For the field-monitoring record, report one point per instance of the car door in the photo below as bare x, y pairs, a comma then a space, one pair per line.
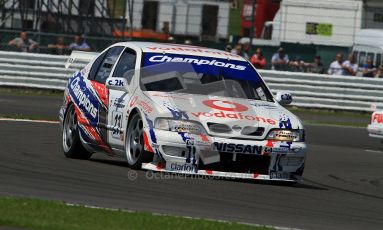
99, 72
118, 99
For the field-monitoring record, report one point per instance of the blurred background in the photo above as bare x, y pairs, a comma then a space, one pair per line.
305, 29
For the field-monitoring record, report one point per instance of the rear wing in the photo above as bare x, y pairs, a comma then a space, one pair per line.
80, 56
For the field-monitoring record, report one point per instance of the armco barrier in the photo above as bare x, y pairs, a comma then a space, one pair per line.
35, 70
327, 91
308, 90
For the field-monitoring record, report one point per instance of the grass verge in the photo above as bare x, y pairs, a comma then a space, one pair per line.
336, 123
331, 117
330, 113
38, 214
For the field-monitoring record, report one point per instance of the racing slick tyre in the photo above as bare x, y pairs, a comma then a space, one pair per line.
72, 145
134, 143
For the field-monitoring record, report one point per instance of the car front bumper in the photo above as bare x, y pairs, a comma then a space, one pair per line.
232, 158
375, 131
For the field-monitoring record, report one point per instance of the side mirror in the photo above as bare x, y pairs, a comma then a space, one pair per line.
284, 98
117, 83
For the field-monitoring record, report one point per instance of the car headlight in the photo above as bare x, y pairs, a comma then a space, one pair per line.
295, 135
185, 126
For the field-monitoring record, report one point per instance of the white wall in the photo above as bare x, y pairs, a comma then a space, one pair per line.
184, 16
345, 17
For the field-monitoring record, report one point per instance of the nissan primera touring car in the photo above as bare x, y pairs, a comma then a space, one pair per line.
183, 109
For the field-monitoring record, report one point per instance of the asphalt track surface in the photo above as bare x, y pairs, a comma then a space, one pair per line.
342, 188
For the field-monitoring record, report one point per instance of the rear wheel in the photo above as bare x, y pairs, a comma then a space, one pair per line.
134, 143
72, 145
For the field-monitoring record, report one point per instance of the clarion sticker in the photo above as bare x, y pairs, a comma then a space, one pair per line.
164, 58
237, 148
174, 166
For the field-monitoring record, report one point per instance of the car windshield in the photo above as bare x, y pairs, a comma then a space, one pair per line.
202, 75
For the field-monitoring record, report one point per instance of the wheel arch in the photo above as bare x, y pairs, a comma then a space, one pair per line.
133, 112
148, 141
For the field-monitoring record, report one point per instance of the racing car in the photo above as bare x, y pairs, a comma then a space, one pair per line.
375, 128
182, 109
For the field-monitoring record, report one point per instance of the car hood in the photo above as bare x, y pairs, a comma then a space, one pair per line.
236, 113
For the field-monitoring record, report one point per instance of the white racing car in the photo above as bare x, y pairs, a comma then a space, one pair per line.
375, 129
184, 109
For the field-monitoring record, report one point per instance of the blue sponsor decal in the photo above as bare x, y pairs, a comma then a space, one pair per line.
178, 114
115, 82
286, 97
151, 129
201, 64
84, 98
284, 122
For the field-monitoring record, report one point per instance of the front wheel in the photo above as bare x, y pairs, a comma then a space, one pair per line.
134, 143
72, 145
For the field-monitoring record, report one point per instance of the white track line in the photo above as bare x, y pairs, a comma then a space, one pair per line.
373, 151
29, 120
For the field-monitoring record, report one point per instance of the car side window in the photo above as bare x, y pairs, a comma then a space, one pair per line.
96, 65
126, 65
107, 63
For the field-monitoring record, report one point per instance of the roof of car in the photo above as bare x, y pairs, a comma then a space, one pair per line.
154, 47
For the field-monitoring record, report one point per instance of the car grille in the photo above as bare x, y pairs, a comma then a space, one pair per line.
246, 131
244, 163
253, 131
219, 128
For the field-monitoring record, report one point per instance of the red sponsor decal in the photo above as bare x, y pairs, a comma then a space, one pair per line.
160, 166
238, 116
225, 105
377, 118
67, 100
270, 144
204, 137
101, 91
133, 101
91, 131
147, 144
209, 172
255, 175
192, 49
145, 106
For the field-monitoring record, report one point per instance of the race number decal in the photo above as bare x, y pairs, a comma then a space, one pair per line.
116, 123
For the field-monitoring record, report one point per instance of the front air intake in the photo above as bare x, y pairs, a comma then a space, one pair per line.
253, 131
219, 128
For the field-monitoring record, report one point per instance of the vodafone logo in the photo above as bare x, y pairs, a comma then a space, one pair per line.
230, 110
225, 105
